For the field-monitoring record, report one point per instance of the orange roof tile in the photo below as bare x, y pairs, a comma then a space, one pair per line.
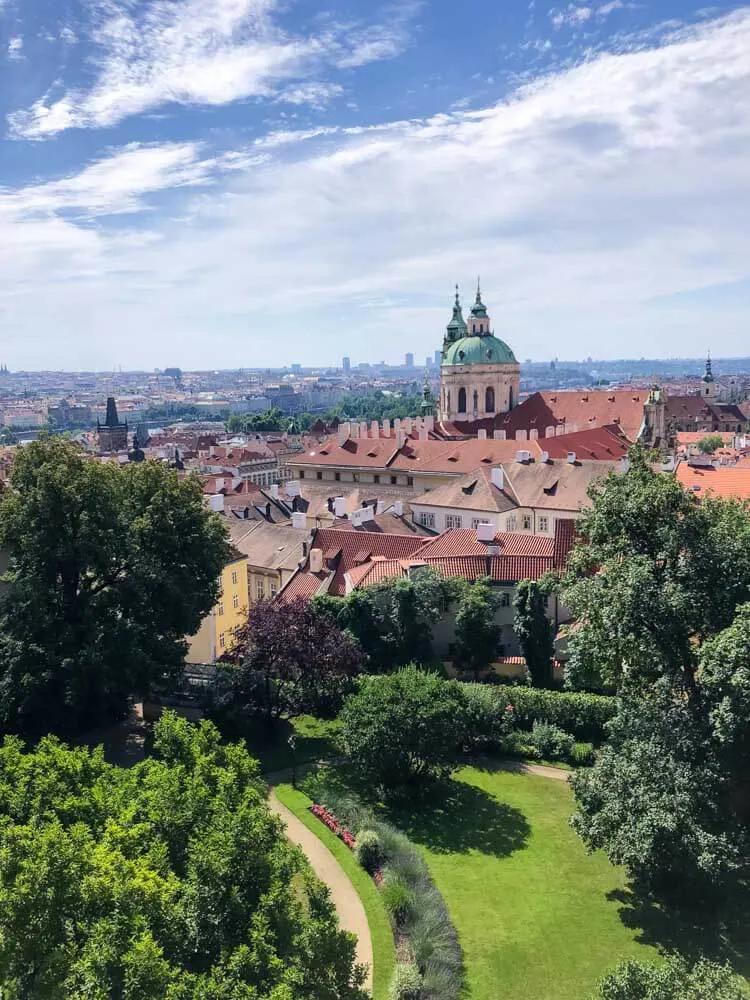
724, 481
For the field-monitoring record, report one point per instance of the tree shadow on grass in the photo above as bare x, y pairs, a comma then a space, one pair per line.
456, 818
718, 932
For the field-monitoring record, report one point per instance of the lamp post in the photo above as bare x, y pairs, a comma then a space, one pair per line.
293, 748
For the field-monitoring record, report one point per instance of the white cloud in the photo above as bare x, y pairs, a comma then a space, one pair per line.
193, 52
586, 202
577, 14
15, 47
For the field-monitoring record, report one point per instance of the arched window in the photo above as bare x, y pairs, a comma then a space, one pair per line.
448, 407
489, 400
462, 400
511, 402
476, 400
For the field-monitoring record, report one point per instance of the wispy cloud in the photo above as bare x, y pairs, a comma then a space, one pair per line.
15, 47
583, 199
193, 52
577, 13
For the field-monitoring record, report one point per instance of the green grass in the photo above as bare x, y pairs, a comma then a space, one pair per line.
535, 914
314, 742
377, 918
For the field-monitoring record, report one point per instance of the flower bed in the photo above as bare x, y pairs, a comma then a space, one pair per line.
333, 824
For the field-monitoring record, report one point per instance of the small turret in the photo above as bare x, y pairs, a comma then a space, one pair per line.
457, 328
427, 408
710, 388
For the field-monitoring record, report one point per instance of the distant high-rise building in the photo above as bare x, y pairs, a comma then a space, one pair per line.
428, 363
346, 364
438, 358
409, 360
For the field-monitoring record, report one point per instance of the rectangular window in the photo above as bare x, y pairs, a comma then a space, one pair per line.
510, 524
427, 520
302, 473
236, 601
505, 599
394, 480
355, 477
221, 607
274, 590
475, 522
319, 475
410, 480
222, 641
234, 576
452, 521
376, 478
337, 476
526, 522
543, 523
260, 590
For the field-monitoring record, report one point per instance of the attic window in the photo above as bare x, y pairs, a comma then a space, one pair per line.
453, 458
489, 353
323, 451
372, 454
468, 490
584, 399
461, 355
487, 459
610, 399
362, 557
551, 489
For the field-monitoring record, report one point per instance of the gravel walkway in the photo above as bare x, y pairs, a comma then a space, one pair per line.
344, 896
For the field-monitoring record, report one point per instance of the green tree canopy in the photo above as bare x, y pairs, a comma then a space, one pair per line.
707, 445
169, 881
535, 632
110, 569
477, 633
674, 980
403, 728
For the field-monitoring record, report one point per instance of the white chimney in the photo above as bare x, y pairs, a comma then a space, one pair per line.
560, 429
624, 463
386, 428
545, 457
316, 560
397, 423
339, 507
533, 434
422, 433
406, 425
368, 514
498, 435
498, 477
344, 431
571, 458
354, 433
356, 518
299, 520
486, 531
521, 435
429, 422
400, 438
549, 432
273, 489
523, 456
669, 465
398, 508
219, 483
216, 502
293, 488
374, 429
482, 434
363, 429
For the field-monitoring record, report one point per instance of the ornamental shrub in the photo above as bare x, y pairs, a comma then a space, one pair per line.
584, 715
582, 755
488, 719
397, 898
406, 983
369, 850
550, 742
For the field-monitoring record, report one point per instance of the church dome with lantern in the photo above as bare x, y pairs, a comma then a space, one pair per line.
479, 373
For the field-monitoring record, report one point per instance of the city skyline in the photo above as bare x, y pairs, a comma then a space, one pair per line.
219, 188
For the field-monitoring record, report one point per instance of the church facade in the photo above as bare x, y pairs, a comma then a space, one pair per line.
479, 374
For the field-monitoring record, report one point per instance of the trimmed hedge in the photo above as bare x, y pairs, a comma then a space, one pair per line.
583, 715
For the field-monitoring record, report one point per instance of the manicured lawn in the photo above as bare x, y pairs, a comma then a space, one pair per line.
377, 918
531, 907
314, 742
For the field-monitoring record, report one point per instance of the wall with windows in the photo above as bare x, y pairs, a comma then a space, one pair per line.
382, 477
521, 519
216, 634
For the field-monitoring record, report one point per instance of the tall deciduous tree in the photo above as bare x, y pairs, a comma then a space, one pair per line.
477, 632
288, 659
535, 632
109, 569
674, 980
170, 880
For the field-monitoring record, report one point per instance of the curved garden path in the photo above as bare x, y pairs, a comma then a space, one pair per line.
344, 896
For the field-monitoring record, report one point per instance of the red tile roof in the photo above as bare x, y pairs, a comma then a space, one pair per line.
725, 481
463, 542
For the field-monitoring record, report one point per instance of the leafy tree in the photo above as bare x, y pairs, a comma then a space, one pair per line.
403, 728
675, 980
288, 659
248, 423
708, 444
534, 631
656, 574
110, 569
169, 881
477, 633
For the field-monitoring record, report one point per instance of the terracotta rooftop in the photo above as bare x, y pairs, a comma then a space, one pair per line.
724, 481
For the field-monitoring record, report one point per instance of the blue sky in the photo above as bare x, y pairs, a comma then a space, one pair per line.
257, 182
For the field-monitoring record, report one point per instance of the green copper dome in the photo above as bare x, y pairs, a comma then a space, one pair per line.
486, 350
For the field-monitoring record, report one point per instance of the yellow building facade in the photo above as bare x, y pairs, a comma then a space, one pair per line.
216, 634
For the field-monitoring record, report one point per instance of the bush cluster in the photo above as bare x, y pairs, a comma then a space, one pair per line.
584, 716
369, 850
418, 912
550, 742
